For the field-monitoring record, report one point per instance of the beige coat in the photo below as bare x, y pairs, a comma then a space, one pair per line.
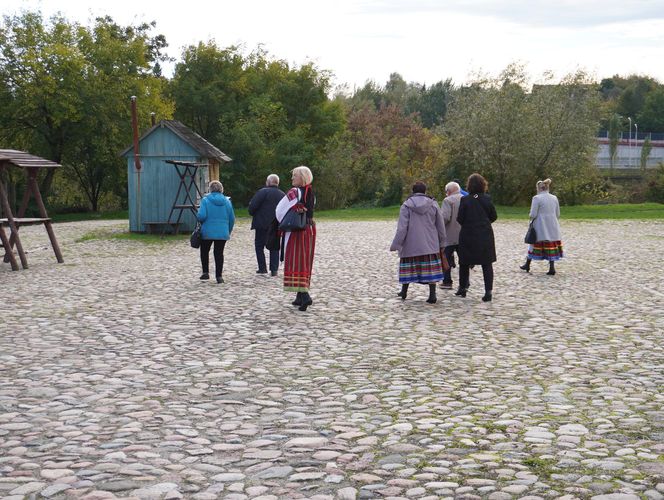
546, 212
450, 210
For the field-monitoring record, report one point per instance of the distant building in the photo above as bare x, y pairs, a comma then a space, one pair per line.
628, 152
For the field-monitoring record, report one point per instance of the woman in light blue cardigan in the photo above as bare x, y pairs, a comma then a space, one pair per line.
217, 217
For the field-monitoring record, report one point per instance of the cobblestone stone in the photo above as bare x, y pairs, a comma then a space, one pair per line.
122, 374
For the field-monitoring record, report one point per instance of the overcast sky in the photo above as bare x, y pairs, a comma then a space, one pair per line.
423, 40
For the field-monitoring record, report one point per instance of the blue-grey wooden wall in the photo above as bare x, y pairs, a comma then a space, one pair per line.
159, 180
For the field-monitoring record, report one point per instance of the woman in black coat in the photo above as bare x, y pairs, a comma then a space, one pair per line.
476, 243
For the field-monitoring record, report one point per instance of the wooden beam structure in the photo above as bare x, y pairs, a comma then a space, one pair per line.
31, 164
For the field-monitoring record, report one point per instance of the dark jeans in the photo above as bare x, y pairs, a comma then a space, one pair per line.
218, 256
449, 254
487, 271
260, 241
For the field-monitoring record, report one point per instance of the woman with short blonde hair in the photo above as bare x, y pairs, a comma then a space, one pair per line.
305, 172
544, 215
298, 245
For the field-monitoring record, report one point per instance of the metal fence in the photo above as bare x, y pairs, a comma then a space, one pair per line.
640, 136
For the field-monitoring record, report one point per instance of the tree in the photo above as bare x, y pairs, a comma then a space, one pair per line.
615, 126
428, 103
432, 102
514, 136
635, 89
119, 62
208, 87
40, 69
651, 117
65, 90
378, 157
646, 148
268, 116
627, 96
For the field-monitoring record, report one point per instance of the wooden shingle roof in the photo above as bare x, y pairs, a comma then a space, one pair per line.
200, 145
25, 160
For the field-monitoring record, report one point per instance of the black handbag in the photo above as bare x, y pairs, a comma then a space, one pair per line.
272, 240
293, 221
531, 234
196, 237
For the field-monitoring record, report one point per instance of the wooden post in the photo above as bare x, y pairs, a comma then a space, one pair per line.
9, 253
32, 179
12, 229
213, 170
21, 213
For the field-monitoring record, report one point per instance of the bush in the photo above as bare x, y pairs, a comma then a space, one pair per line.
655, 183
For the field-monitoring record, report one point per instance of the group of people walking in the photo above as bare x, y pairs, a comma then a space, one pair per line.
427, 238
294, 246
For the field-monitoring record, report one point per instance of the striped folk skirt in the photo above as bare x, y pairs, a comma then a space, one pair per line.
420, 269
299, 259
546, 250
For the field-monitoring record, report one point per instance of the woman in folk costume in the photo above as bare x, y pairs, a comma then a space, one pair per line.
298, 246
420, 241
544, 214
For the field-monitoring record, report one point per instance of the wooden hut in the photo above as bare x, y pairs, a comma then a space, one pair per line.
176, 166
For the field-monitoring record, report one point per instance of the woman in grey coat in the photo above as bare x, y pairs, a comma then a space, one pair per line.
450, 209
544, 214
420, 241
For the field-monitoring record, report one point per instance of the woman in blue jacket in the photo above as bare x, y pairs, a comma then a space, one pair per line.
217, 217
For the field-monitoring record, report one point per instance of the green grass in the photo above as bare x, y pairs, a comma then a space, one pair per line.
640, 211
579, 212
542, 467
75, 217
152, 239
624, 211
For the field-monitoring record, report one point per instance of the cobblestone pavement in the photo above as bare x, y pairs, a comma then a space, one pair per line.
123, 375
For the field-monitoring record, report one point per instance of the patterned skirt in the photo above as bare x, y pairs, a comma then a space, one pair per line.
420, 269
546, 250
299, 259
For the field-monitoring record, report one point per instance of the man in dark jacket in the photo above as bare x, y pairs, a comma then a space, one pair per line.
261, 208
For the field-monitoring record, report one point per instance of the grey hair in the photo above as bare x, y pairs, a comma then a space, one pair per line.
216, 187
272, 180
543, 185
452, 186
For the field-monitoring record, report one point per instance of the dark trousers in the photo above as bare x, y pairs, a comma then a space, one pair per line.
260, 241
449, 254
487, 271
218, 256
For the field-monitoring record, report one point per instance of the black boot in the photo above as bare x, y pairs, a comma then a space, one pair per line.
526, 266
306, 301
404, 292
298, 299
487, 296
552, 268
461, 292
432, 294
